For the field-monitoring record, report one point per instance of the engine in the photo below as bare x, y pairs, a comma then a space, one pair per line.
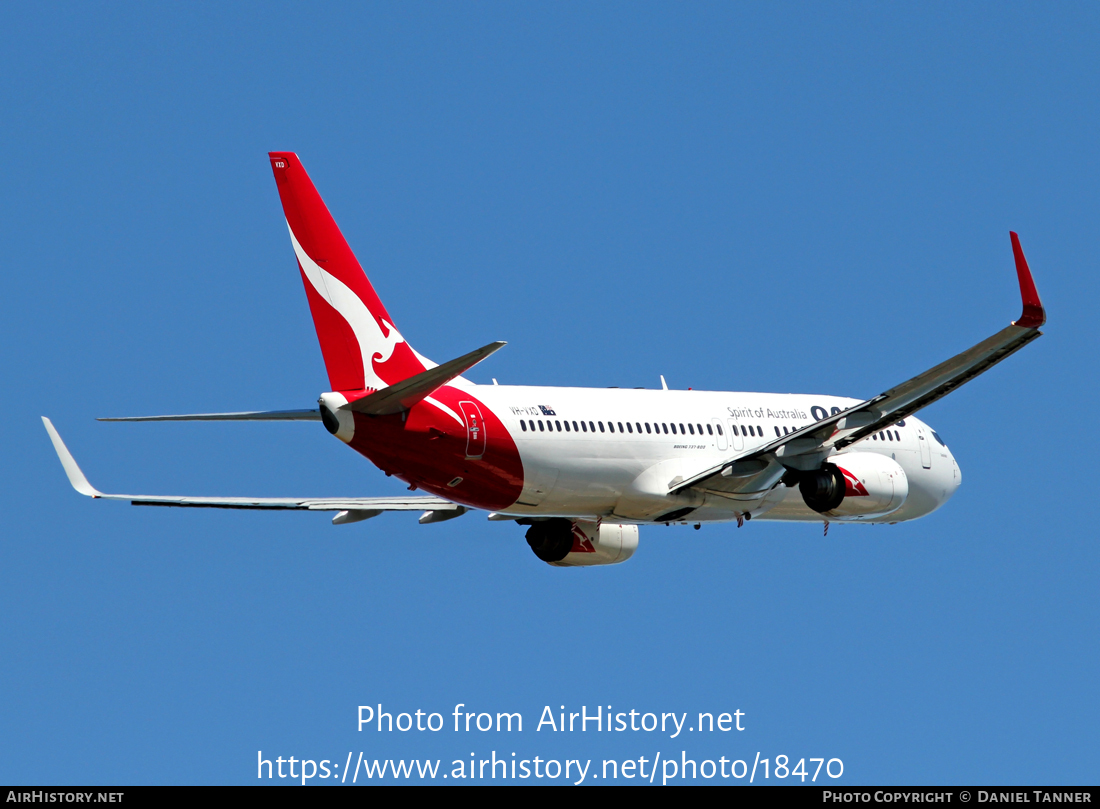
580, 543
855, 485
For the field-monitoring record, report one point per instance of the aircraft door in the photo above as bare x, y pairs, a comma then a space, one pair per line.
736, 438
475, 430
925, 450
719, 434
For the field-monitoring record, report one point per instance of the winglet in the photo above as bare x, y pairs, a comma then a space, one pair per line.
76, 477
1034, 315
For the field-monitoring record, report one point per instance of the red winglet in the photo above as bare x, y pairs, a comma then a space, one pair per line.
1034, 315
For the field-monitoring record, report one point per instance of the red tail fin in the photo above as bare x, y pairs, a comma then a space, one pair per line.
361, 347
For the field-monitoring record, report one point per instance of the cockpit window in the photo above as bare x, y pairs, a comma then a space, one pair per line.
937, 437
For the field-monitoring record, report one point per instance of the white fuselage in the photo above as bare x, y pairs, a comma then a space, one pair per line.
610, 452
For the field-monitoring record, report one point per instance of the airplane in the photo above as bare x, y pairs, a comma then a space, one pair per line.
581, 468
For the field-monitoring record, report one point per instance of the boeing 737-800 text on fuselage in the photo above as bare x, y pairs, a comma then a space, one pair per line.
583, 468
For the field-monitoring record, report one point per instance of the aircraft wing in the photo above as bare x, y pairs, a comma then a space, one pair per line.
856, 423
351, 509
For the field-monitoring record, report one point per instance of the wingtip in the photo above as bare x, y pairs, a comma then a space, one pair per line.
68, 463
1033, 315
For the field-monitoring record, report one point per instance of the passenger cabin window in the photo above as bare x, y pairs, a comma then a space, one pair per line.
709, 430
601, 425
523, 424
664, 427
629, 428
620, 427
682, 430
639, 426
718, 427
567, 426
647, 430
540, 425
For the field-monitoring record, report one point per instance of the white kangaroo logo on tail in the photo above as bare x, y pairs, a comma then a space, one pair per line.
373, 344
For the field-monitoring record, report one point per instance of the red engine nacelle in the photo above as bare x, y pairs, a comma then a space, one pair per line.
580, 543
855, 486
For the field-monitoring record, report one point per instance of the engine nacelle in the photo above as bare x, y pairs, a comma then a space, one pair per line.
855, 485
580, 543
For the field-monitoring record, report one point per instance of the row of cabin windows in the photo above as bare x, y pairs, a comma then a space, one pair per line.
630, 427
746, 429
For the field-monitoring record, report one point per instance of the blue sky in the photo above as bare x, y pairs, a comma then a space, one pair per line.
782, 198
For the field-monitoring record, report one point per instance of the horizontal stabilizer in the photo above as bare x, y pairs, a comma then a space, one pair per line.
354, 505
252, 415
408, 392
